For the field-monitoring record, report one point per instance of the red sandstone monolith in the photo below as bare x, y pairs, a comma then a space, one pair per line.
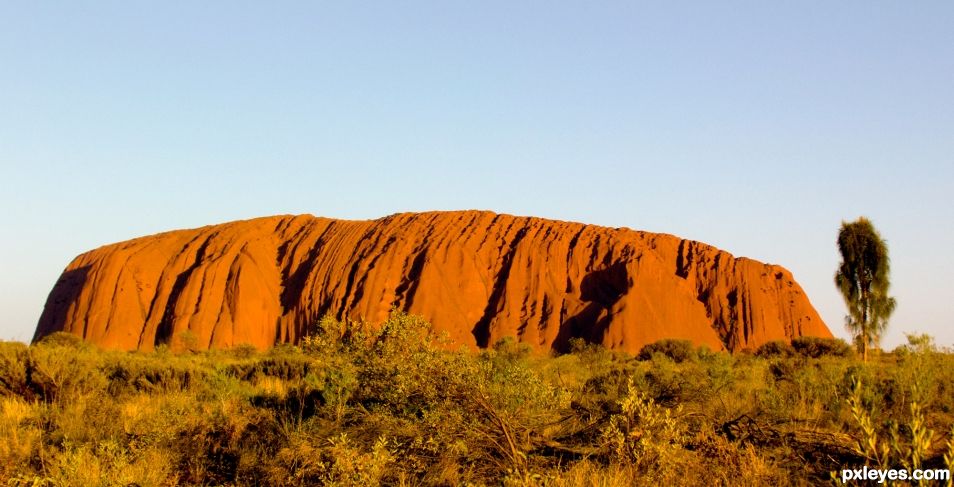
479, 276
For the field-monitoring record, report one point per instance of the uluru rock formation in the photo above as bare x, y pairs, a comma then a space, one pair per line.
479, 276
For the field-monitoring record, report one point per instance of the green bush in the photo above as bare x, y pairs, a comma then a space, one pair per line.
509, 348
13, 371
244, 351
62, 372
280, 365
644, 432
816, 347
139, 373
62, 339
776, 348
677, 350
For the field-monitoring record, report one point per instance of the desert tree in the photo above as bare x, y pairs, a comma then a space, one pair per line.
863, 280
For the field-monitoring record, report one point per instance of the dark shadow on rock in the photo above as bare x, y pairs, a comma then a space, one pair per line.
65, 292
481, 330
600, 289
166, 324
684, 258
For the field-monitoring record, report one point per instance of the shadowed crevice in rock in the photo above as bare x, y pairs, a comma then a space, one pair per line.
167, 325
606, 286
294, 283
600, 290
64, 296
404, 294
684, 259
481, 330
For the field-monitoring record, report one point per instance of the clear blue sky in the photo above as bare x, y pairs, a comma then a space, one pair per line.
754, 126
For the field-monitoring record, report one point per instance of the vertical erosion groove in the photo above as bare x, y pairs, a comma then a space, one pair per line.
166, 325
481, 329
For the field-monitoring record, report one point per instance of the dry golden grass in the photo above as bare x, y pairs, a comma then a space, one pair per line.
397, 409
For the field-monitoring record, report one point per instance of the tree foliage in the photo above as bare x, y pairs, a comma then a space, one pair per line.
863, 279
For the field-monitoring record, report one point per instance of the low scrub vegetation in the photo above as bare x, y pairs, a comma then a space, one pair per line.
354, 404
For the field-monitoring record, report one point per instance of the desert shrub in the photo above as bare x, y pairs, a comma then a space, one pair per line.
59, 373
510, 349
921, 375
284, 350
107, 463
899, 412
585, 368
579, 346
775, 348
499, 410
402, 368
244, 351
391, 405
62, 339
644, 433
612, 383
676, 350
403, 333
593, 355
13, 371
285, 366
88, 419
335, 387
918, 343
667, 382
816, 347
137, 373
185, 341
720, 461
941, 394
326, 336
150, 420
489, 409
335, 461
216, 437
20, 434
882, 448
798, 388
325, 390
706, 354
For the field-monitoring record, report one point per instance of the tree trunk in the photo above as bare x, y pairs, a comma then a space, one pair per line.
865, 328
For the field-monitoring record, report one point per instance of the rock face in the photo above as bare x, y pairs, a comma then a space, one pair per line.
478, 275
